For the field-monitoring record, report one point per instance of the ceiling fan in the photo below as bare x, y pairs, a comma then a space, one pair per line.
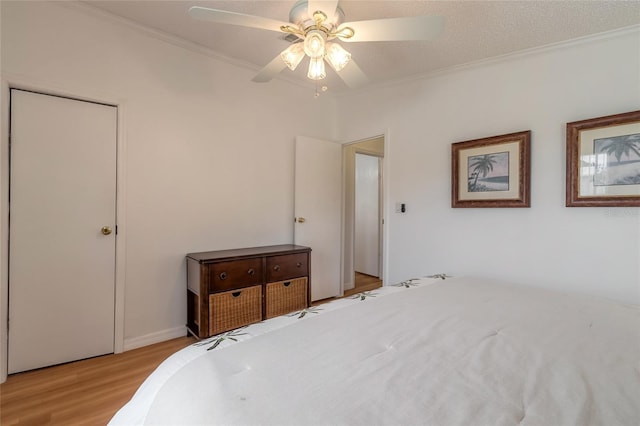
314, 25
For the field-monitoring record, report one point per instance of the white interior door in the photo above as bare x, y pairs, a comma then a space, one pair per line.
61, 265
367, 212
318, 210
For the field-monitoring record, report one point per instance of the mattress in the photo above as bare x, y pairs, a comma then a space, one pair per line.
455, 351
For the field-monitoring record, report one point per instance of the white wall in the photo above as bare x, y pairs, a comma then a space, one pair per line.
591, 250
208, 154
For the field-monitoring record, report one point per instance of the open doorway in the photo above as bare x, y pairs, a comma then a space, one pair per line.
366, 257
363, 220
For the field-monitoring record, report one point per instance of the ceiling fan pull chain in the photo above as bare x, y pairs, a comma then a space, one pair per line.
323, 89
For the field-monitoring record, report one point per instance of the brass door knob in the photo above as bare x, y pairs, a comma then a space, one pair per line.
106, 230
301, 219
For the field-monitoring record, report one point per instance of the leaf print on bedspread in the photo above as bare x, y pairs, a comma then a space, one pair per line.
441, 276
302, 313
364, 295
408, 283
229, 335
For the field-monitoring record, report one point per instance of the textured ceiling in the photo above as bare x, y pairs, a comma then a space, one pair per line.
474, 30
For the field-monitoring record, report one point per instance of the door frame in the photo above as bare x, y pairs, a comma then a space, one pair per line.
384, 209
7, 83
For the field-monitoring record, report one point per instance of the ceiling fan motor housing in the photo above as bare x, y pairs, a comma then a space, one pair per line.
301, 16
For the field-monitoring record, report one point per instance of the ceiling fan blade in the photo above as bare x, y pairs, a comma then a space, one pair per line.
396, 29
327, 6
353, 76
233, 18
272, 69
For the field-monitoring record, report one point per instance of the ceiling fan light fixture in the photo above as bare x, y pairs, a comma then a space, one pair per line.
337, 56
314, 43
292, 55
316, 69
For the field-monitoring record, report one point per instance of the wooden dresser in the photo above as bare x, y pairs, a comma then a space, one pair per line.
227, 289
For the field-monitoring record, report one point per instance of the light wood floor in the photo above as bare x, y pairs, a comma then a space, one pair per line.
363, 282
87, 392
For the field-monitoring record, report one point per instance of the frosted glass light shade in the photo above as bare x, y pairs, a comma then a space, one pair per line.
292, 55
316, 69
337, 56
314, 44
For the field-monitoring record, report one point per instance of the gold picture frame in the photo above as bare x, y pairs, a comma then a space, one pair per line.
603, 161
492, 172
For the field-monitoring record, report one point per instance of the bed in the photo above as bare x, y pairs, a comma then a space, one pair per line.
454, 351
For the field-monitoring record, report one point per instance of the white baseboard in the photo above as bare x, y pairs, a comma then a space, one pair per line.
157, 337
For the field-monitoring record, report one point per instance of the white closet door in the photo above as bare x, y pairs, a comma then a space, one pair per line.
318, 200
61, 266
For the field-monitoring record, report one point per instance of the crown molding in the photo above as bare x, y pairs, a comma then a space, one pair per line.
620, 32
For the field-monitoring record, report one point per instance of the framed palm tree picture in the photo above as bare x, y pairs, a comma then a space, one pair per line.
492, 172
603, 161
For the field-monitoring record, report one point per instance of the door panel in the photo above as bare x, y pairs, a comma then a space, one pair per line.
318, 199
61, 266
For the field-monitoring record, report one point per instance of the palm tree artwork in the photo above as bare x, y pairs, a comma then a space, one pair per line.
494, 170
625, 169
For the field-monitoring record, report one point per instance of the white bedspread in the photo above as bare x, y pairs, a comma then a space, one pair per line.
439, 352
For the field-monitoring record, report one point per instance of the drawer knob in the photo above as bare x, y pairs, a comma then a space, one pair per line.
299, 264
276, 268
223, 275
251, 271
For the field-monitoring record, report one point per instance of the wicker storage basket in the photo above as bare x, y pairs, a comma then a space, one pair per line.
286, 296
235, 308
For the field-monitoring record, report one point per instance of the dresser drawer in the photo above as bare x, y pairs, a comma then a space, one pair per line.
283, 297
287, 266
235, 274
233, 309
